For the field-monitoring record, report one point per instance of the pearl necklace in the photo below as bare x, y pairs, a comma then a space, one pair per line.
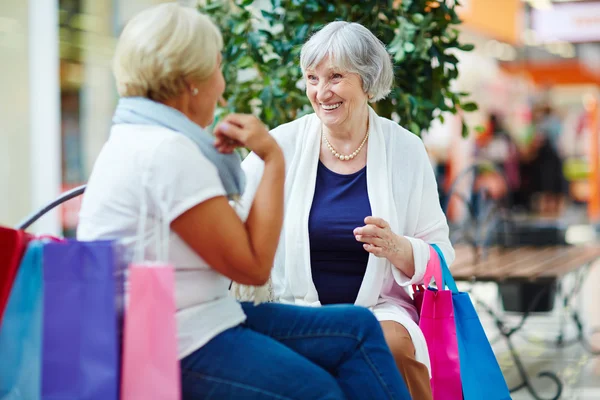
343, 157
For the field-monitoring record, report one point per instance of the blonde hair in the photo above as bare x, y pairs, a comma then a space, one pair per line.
161, 47
352, 47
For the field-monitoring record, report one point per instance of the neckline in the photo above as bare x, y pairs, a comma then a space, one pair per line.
351, 175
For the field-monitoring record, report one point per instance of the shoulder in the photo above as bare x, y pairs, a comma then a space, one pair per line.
401, 139
287, 134
147, 136
155, 143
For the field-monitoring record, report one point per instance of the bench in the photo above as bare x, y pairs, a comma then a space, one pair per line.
528, 264
545, 266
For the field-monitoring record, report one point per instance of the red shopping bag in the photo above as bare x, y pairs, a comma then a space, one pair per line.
12, 248
439, 328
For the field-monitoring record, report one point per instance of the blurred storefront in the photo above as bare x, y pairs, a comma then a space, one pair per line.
52, 134
529, 54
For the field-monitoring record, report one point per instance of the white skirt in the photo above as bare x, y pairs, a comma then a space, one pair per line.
392, 312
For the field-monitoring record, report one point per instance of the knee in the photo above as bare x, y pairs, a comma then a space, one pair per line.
398, 340
360, 320
360, 315
401, 348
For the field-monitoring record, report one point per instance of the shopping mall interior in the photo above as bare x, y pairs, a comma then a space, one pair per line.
534, 72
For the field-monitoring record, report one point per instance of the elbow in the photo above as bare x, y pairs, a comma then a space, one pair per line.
263, 273
258, 275
262, 279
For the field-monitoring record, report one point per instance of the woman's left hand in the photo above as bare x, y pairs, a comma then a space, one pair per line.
379, 240
378, 237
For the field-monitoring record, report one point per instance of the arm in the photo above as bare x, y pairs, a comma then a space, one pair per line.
410, 254
242, 252
431, 227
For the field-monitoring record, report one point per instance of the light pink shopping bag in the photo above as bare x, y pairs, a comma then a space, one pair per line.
150, 361
439, 328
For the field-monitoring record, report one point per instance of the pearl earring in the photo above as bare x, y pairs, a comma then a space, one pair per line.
194, 91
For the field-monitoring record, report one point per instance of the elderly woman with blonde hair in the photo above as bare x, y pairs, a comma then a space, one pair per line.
161, 165
361, 201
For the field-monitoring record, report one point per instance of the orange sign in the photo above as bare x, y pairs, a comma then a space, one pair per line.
499, 19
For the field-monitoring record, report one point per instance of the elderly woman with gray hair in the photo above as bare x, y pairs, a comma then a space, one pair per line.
361, 201
161, 165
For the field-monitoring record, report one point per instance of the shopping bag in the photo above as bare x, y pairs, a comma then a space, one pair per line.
439, 328
480, 372
432, 271
12, 247
80, 359
21, 331
150, 361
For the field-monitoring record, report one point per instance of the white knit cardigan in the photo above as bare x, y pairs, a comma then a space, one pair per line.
402, 190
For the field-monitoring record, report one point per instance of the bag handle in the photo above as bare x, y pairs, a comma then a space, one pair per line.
434, 270
161, 228
447, 278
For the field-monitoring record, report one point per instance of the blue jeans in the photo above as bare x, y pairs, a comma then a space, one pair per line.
288, 352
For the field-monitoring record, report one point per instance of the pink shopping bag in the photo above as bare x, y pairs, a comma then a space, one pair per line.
439, 328
150, 354
150, 362
433, 271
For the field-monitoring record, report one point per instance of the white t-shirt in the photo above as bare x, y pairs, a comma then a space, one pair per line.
177, 177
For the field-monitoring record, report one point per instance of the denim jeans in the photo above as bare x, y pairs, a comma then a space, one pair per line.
289, 352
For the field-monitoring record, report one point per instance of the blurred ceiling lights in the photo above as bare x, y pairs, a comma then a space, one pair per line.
540, 4
546, 4
556, 47
500, 51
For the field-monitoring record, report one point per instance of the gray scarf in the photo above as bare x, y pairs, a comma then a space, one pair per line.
142, 111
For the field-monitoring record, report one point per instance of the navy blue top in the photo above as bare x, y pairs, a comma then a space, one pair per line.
338, 261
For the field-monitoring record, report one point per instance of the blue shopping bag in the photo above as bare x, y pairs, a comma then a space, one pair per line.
80, 356
21, 331
480, 372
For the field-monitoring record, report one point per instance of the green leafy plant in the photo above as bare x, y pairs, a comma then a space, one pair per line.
262, 49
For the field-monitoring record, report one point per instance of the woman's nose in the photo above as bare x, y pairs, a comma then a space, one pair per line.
323, 92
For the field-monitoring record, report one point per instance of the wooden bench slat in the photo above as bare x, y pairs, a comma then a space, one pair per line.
504, 267
501, 262
577, 259
528, 263
558, 257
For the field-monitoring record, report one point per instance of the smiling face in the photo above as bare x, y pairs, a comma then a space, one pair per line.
336, 96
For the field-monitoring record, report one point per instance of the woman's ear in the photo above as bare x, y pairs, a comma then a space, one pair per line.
190, 87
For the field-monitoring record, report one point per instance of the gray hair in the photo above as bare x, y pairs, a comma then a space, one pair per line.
352, 47
162, 46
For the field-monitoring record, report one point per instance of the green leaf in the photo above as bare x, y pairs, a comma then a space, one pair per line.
480, 129
418, 18
301, 33
466, 47
469, 107
414, 128
272, 47
409, 47
465, 130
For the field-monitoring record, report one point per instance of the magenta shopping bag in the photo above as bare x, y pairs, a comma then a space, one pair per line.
439, 328
480, 372
80, 355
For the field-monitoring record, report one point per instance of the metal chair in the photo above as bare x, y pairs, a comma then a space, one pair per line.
27, 222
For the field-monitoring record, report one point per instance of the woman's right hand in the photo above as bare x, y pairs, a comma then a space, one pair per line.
245, 130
